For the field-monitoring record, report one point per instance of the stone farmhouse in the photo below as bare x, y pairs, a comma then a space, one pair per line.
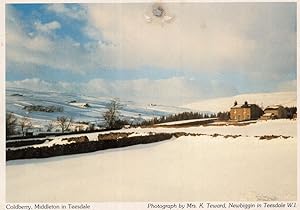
245, 112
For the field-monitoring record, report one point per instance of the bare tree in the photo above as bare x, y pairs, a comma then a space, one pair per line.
11, 123
25, 124
91, 127
50, 126
111, 116
64, 123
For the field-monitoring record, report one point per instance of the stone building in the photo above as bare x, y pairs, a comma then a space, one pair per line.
245, 112
274, 112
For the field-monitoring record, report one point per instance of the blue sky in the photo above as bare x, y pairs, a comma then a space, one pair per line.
206, 51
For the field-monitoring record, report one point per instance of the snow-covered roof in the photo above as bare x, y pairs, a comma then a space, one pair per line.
273, 107
243, 106
268, 114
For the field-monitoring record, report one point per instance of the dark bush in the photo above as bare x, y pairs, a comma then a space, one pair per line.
268, 137
41, 108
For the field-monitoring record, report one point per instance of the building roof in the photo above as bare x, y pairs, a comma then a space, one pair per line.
243, 106
273, 107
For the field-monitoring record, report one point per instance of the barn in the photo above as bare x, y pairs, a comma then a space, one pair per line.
274, 112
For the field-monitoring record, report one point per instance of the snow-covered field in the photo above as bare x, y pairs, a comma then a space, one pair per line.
186, 121
284, 127
188, 168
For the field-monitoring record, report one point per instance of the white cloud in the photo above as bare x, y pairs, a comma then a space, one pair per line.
40, 49
47, 27
248, 38
31, 84
172, 91
71, 11
251, 39
255, 40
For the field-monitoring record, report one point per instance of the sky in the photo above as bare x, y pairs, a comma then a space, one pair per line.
207, 50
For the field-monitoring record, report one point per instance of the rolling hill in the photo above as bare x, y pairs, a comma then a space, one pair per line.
42, 107
261, 99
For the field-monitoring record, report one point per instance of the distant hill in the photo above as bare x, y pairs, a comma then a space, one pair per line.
261, 99
41, 107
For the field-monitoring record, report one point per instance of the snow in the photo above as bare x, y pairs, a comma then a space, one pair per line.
284, 127
188, 168
268, 114
138, 134
186, 121
80, 105
261, 99
273, 107
93, 114
55, 141
167, 109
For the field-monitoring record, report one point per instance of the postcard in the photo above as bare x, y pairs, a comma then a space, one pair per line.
150, 105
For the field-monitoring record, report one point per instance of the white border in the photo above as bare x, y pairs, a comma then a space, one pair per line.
298, 103
143, 1
2, 104
112, 205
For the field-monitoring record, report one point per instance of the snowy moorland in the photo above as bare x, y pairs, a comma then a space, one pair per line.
81, 108
262, 99
210, 163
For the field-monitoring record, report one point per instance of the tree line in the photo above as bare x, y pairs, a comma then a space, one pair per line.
291, 111
178, 117
24, 124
